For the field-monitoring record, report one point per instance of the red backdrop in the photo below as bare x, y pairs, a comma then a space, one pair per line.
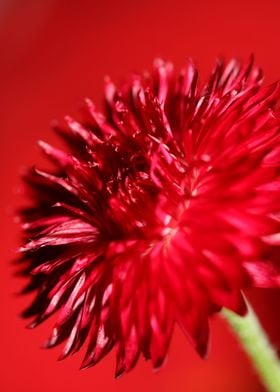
54, 53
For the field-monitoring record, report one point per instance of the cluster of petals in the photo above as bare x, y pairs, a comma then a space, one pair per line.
158, 212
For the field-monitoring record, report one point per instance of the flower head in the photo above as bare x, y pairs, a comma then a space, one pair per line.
160, 212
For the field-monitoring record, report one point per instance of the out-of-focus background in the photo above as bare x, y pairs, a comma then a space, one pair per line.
53, 54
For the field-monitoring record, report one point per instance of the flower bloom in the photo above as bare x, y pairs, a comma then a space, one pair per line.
160, 212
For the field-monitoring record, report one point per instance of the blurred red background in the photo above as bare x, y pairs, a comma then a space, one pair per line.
54, 53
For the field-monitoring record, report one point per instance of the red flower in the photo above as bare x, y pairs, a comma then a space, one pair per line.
162, 211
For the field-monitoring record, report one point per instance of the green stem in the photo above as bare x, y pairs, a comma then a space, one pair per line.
256, 343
